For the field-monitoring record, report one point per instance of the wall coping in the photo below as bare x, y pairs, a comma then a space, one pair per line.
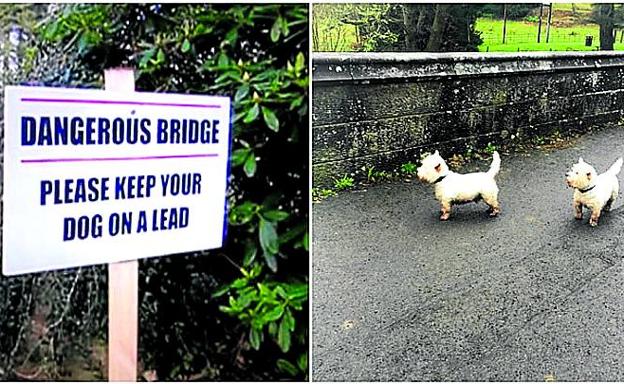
378, 66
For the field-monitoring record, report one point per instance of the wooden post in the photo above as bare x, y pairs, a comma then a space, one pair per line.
539, 24
123, 278
504, 21
548, 22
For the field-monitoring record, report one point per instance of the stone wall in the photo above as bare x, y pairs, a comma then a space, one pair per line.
384, 109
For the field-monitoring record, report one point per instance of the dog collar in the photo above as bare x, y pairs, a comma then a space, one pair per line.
587, 189
439, 179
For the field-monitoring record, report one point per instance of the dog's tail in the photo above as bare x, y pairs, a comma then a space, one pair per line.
495, 167
615, 168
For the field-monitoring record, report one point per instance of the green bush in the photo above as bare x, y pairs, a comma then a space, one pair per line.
408, 168
531, 19
514, 11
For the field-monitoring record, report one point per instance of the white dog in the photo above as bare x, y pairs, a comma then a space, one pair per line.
453, 188
596, 192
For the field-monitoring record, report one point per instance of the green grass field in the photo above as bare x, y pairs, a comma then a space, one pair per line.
522, 36
581, 7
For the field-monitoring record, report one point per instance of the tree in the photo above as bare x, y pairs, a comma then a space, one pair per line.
378, 25
605, 16
440, 20
327, 23
411, 21
423, 27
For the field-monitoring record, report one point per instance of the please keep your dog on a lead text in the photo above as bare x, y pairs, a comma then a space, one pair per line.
55, 131
70, 191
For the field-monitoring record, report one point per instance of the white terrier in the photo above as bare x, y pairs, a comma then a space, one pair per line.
595, 192
455, 188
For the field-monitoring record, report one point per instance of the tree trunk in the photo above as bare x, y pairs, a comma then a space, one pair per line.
437, 28
411, 15
424, 22
606, 26
315, 36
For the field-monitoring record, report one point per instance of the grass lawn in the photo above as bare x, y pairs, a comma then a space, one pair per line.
582, 8
522, 35
530, 47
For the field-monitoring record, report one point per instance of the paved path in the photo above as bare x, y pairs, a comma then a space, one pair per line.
532, 294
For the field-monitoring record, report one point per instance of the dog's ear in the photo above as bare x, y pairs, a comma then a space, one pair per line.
581, 160
438, 168
436, 153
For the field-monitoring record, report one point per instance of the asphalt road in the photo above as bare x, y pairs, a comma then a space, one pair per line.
532, 295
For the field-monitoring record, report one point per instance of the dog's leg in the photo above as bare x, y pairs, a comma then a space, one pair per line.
578, 210
492, 202
608, 205
445, 210
595, 215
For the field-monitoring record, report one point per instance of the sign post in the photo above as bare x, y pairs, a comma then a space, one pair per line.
123, 277
109, 177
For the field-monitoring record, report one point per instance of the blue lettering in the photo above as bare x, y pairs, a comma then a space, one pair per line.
119, 187
82, 228
77, 135
45, 132
169, 218
215, 131
60, 130
161, 130
174, 135
69, 228
184, 217
118, 131
103, 133
205, 132
90, 131
29, 131
120, 223
46, 189
142, 226
146, 134
193, 136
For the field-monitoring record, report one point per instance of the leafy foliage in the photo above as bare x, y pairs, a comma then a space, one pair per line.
408, 168
374, 26
514, 11
256, 54
343, 183
490, 148
319, 194
269, 305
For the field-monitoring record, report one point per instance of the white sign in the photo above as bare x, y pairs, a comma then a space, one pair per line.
94, 176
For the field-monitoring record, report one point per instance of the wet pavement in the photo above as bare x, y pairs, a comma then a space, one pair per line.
531, 295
